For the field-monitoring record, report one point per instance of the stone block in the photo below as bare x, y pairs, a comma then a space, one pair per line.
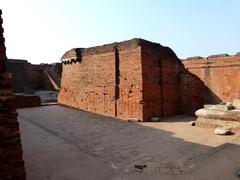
236, 103
133, 120
233, 115
222, 131
155, 119
218, 107
192, 123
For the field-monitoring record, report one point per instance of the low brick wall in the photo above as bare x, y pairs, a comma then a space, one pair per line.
23, 101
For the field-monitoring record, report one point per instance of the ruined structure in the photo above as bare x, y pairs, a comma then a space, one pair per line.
218, 116
220, 74
11, 163
131, 79
31, 83
29, 77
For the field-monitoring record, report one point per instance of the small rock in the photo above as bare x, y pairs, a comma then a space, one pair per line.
238, 173
223, 131
192, 123
133, 120
140, 166
229, 105
154, 119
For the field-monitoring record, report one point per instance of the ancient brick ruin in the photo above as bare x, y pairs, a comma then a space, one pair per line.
131, 79
220, 74
11, 163
29, 77
30, 81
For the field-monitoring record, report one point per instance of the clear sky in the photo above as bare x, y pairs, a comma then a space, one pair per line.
41, 31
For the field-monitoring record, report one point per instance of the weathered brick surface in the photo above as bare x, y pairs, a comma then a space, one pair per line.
131, 79
52, 75
23, 101
89, 85
28, 77
160, 84
191, 92
129, 104
220, 74
11, 163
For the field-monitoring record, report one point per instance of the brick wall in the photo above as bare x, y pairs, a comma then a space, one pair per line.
28, 77
20, 78
89, 85
131, 79
220, 74
23, 101
11, 163
105, 80
129, 103
34, 76
160, 85
191, 92
169, 89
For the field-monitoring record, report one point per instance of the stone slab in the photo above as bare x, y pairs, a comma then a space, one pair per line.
232, 115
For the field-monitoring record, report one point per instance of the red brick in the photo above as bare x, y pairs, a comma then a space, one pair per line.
11, 163
131, 79
220, 75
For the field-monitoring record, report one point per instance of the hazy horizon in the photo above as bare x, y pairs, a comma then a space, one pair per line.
42, 31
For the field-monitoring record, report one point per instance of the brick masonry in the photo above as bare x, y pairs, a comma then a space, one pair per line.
23, 100
11, 163
27, 77
131, 79
220, 74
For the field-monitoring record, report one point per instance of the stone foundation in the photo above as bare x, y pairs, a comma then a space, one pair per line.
210, 118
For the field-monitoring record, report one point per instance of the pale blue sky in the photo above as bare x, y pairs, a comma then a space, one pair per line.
42, 30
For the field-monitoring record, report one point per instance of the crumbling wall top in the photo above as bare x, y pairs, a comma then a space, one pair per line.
77, 53
237, 54
211, 57
193, 58
217, 56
